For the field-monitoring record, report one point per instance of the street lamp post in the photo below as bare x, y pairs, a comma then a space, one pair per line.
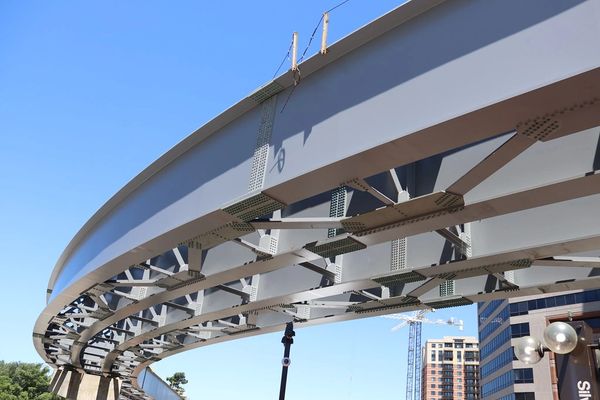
577, 370
573, 345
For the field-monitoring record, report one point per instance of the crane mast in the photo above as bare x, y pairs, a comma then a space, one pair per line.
413, 374
418, 360
415, 359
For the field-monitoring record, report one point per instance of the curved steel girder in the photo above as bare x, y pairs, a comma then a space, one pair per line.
562, 191
547, 288
91, 317
577, 187
474, 267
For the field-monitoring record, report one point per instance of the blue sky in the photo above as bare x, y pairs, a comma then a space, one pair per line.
90, 94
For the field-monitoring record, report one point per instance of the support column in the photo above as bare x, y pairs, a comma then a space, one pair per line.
73, 385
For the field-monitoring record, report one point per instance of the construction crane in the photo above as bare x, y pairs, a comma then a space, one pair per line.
414, 322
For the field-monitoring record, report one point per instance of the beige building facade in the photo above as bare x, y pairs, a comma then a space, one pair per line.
451, 369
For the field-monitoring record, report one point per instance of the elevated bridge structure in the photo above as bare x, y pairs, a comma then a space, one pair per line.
444, 154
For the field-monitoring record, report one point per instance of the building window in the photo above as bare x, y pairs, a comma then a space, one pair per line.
498, 362
523, 375
525, 396
523, 307
433, 356
498, 340
471, 356
519, 330
497, 384
492, 306
459, 356
492, 324
448, 345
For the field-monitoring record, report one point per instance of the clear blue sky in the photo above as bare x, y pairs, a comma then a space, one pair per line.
91, 92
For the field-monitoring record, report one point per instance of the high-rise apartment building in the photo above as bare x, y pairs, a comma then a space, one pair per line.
502, 322
451, 369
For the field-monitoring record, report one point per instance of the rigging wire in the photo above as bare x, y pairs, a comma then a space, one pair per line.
289, 95
317, 27
287, 57
297, 74
311, 39
339, 5
312, 36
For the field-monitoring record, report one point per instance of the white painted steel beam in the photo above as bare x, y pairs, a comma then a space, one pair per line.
471, 128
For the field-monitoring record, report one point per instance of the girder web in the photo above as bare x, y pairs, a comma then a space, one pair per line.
485, 218
84, 333
178, 321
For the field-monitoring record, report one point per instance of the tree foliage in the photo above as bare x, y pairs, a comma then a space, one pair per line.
176, 381
24, 381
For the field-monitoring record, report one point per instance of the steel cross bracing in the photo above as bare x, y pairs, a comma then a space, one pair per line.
161, 299
491, 192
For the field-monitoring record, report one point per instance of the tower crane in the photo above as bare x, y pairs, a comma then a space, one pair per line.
414, 322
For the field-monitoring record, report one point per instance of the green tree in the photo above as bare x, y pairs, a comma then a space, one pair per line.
24, 381
8, 390
176, 381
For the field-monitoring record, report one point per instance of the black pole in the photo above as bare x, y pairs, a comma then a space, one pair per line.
287, 341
